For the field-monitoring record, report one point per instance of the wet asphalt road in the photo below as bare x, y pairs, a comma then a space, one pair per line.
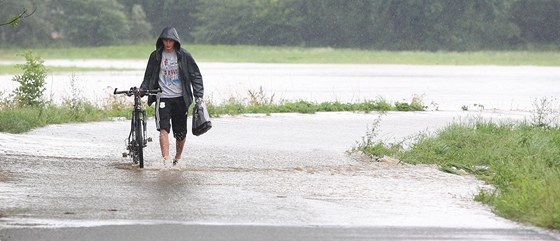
271, 233
257, 177
279, 177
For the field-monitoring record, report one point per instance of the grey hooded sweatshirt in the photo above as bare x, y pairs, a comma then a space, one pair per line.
189, 74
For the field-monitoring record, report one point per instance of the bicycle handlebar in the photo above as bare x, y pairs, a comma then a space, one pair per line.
134, 90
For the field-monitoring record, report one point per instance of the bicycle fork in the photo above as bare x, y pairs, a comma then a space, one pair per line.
130, 140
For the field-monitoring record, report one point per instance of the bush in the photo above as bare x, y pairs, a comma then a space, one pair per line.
32, 81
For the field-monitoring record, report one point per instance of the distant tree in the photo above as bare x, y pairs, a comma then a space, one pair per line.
175, 13
139, 27
339, 23
276, 23
267, 22
445, 24
485, 24
92, 22
320, 25
538, 20
383, 24
220, 25
380, 24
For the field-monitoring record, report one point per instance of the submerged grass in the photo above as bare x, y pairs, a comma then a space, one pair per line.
522, 162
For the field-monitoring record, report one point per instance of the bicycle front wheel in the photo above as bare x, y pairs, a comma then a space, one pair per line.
139, 139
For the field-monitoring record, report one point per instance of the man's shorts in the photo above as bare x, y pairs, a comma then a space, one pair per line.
172, 113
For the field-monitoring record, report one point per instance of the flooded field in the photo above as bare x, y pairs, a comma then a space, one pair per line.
283, 169
439, 87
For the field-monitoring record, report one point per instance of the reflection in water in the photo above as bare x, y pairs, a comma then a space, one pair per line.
170, 186
160, 185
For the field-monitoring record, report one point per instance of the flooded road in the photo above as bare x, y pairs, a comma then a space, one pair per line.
279, 170
254, 173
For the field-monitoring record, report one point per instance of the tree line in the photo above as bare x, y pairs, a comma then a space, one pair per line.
371, 24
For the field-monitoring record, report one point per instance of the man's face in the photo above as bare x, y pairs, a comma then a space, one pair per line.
168, 44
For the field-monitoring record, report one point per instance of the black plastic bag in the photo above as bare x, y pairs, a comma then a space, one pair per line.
201, 119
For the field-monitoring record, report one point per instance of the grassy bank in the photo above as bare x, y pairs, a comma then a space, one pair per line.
13, 70
18, 120
236, 107
522, 162
260, 54
22, 119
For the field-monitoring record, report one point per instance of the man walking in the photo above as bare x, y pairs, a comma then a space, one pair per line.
173, 70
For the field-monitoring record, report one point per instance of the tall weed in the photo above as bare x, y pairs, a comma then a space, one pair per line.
545, 112
372, 146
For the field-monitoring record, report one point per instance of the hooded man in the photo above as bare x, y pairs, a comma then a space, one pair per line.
173, 70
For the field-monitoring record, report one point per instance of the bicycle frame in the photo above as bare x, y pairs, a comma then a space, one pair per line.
137, 136
137, 140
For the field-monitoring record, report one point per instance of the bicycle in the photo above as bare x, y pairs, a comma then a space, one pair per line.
137, 140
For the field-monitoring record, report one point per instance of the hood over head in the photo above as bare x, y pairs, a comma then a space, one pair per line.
169, 33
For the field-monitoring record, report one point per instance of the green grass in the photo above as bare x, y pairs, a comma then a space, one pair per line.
12, 69
260, 54
521, 161
108, 52
297, 55
19, 120
236, 107
22, 119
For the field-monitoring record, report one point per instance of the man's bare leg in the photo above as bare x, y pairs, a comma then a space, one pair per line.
164, 144
179, 148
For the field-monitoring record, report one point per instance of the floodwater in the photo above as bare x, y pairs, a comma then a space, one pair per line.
282, 169
439, 87
279, 169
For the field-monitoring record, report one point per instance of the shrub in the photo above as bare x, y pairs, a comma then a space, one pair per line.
32, 81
